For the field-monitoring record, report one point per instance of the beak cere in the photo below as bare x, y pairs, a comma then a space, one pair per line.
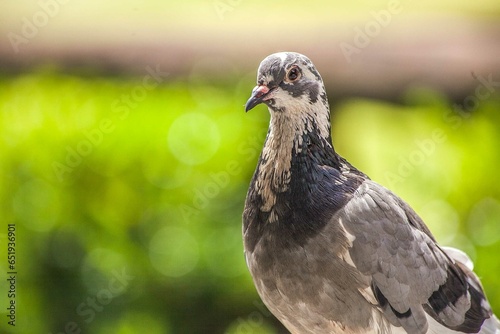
259, 94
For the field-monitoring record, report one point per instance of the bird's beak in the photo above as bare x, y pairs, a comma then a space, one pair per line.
260, 94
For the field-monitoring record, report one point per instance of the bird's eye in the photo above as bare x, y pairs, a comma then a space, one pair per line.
293, 74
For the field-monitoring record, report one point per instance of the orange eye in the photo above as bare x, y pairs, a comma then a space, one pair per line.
293, 74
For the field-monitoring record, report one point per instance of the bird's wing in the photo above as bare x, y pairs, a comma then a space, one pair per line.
412, 277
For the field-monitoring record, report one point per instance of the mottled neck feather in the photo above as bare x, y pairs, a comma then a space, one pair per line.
290, 133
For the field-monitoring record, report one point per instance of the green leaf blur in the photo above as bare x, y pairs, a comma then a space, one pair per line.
127, 198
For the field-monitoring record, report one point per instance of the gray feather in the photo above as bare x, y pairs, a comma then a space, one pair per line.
404, 262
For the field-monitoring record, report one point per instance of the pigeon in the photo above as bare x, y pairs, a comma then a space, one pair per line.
331, 251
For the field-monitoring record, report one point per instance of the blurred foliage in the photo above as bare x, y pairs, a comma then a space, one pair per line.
127, 198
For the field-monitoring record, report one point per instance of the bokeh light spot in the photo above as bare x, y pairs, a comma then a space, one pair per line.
173, 251
193, 138
484, 222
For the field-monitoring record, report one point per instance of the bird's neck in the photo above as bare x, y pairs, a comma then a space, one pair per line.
295, 142
291, 135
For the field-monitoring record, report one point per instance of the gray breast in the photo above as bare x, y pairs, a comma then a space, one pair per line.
312, 288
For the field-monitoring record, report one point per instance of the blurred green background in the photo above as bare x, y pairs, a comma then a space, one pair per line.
125, 152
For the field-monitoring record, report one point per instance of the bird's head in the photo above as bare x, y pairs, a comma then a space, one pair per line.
287, 81
291, 87
299, 130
